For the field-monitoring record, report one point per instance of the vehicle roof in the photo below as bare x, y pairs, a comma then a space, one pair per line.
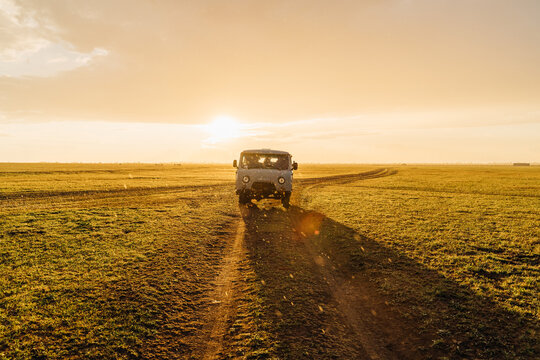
265, 151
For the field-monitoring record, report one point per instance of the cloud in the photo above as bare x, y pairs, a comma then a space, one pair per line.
351, 128
314, 129
48, 60
227, 132
21, 33
12, 13
309, 141
31, 47
278, 61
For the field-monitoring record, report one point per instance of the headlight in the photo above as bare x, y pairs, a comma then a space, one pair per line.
245, 179
281, 180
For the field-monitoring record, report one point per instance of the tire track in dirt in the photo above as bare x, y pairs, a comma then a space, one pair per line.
107, 193
360, 323
381, 331
346, 178
223, 302
372, 329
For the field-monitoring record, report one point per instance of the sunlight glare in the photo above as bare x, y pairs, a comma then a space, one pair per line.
223, 128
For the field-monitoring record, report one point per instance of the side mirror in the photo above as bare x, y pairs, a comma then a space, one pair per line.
295, 165
235, 163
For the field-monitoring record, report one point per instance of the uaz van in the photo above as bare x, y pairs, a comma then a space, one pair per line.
264, 173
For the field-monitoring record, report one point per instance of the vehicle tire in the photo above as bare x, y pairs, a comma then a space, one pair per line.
243, 199
285, 200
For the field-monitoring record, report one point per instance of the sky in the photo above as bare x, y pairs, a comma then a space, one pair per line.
372, 81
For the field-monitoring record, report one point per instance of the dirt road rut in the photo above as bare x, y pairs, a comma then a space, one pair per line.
315, 300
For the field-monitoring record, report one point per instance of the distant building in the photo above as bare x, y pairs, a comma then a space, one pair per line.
522, 164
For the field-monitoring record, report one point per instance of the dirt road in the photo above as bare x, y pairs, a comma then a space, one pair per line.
317, 301
181, 272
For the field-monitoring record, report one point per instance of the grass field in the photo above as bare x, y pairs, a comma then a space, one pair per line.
463, 245
121, 261
95, 274
477, 225
43, 179
96, 258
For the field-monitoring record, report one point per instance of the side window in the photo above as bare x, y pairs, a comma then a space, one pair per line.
282, 162
249, 161
245, 161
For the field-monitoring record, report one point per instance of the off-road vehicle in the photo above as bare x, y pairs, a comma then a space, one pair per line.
264, 173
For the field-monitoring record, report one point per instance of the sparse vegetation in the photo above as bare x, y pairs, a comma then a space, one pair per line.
118, 261
458, 240
107, 274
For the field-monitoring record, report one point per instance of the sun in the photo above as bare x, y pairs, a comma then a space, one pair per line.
223, 128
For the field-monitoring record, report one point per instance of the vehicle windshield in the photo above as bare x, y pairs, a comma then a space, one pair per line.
265, 161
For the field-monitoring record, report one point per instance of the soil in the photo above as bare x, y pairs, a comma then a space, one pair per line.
317, 302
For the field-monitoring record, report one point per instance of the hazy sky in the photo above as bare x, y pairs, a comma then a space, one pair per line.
330, 81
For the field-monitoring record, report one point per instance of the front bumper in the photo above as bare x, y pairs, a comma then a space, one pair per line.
262, 190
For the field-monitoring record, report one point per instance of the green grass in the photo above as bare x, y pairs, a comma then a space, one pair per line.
23, 179
106, 275
96, 282
115, 261
110, 260
476, 226
479, 225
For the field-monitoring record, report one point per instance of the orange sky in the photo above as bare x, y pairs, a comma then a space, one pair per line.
331, 81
